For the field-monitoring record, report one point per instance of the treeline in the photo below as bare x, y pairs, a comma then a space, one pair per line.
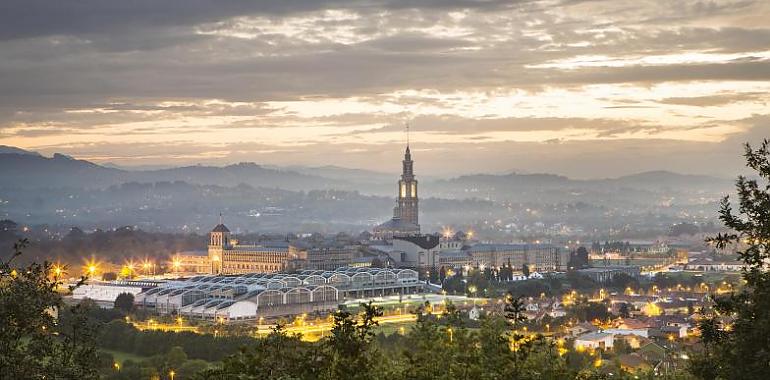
114, 246
121, 336
429, 350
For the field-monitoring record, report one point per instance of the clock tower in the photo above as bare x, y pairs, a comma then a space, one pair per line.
407, 203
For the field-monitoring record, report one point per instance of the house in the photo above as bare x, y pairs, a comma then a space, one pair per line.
652, 352
582, 328
644, 333
636, 301
532, 307
595, 340
474, 314
676, 307
557, 312
633, 363
676, 331
633, 341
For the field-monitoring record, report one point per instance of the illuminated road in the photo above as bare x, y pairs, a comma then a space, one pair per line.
309, 330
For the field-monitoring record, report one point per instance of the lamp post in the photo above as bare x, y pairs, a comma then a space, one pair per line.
171, 374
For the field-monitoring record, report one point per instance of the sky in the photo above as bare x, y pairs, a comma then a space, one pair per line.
587, 89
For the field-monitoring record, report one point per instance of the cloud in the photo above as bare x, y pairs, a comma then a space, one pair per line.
715, 100
338, 78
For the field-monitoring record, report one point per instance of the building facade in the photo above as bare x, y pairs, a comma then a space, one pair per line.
604, 275
195, 262
229, 257
538, 257
416, 251
323, 256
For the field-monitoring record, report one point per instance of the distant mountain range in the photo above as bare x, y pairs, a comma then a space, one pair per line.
24, 169
34, 171
5, 149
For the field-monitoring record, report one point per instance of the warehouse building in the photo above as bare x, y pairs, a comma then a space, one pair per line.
256, 295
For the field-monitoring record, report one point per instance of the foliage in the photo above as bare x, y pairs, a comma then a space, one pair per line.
737, 337
121, 336
579, 259
622, 281
580, 282
624, 310
40, 336
513, 310
277, 356
124, 302
349, 352
583, 310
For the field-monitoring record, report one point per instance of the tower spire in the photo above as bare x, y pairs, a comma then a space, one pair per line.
220, 218
407, 134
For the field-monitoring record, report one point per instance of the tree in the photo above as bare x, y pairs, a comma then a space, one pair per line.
740, 349
124, 302
276, 356
40, 336
622, 281
579, 259
349, 352
513, 310
623, 310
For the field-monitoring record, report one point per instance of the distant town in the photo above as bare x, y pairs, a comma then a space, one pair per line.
629, 304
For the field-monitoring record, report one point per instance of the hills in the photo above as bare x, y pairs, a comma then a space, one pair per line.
64, 191
34, 171
25, 169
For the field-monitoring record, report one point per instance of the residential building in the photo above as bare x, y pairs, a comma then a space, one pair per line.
595, 340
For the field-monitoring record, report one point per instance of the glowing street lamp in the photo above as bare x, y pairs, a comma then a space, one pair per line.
90, 268
58, 270
176, 264
171, 374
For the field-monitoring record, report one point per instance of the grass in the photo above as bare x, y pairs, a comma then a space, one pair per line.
121, 356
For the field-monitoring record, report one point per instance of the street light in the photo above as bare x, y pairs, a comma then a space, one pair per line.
176, 264
172, 374
57, 270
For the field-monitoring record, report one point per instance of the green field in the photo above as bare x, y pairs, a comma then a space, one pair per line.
121, 356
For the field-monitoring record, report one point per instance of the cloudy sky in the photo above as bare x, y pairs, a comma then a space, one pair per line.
581, 88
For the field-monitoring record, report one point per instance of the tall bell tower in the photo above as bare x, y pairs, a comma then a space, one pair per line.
407, 204
219, 241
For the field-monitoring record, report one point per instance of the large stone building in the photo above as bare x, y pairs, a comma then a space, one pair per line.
325, 255
196, 262
537, 257
229, 257
405, 221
